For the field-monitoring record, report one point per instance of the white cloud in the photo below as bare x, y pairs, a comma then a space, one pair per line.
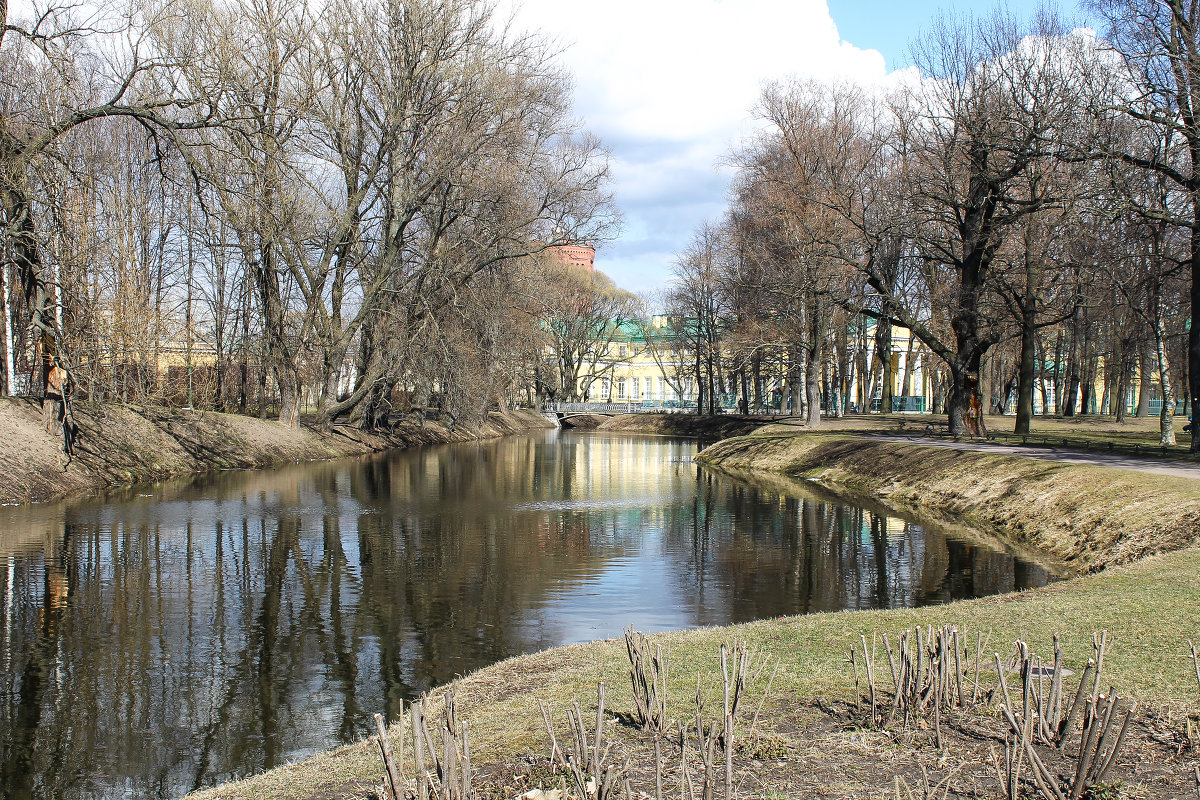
668, 85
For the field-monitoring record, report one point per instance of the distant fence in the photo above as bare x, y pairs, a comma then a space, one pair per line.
902, 404
1179, 450
596, 408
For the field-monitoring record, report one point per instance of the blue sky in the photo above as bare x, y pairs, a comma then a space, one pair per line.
669, 85
889, 27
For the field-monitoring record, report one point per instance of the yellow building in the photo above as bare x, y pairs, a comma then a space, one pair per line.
648, 364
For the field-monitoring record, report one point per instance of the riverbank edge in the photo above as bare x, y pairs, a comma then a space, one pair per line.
121, 445
1162, 584
1090, 518
692, 425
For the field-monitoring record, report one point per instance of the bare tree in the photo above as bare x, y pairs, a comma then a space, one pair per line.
927, 191
1159, 44
585, 320
480, 166
696, 306
60, 76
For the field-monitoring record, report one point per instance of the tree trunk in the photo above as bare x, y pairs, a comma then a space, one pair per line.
1072, 385
1025, 370
9, 361
907, 380
756, 366
985, 385
812, 392
712, 379
1114, 377
38, 287
795, 387
849, 377
1122, 391
962, 384
289, 396
864, 375
1193, 359
263, 405
1057, 382
1087, 388
329, 391
1166, 417
834, 406
883, 351
244, 385
812, 367
1143, 405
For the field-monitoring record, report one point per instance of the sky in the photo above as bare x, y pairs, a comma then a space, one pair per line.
668, 86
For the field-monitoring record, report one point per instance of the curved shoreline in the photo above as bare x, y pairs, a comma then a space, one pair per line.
121, 445
976, 532
1146, 601
1089, 517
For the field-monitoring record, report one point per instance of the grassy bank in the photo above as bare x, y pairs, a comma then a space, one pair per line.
808, 744
121, 444
1090, 517
707, 427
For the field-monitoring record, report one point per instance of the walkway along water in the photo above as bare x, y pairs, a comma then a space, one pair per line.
1063, 455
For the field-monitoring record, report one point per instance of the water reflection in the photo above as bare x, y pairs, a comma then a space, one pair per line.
184, 634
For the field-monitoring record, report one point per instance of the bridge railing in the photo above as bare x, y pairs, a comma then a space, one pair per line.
596, 408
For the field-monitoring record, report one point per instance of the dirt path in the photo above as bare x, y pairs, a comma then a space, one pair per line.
1178, 469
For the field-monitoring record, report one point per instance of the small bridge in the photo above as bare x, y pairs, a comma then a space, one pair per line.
560, 411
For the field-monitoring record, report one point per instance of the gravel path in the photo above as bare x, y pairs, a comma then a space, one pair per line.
1178, 469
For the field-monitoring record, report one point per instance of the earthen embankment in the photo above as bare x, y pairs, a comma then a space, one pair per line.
125, 444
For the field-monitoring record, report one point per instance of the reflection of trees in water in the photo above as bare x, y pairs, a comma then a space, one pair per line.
750, 553
225, 625
33, 608
154, 647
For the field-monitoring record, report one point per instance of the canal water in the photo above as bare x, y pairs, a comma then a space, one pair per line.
169, 637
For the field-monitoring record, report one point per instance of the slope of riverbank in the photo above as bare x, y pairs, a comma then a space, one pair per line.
120, 445
1090, 517
686, 424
